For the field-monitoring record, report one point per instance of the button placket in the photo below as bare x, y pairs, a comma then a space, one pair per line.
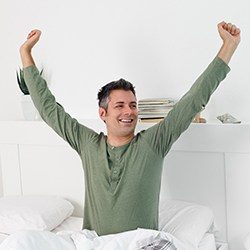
115, 174
115, 170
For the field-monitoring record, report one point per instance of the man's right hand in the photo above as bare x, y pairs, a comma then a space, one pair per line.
25, 49
32, 39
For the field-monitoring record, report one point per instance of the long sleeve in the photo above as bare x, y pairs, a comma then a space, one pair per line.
162, 135
53, 113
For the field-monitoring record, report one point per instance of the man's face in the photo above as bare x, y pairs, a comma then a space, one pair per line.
122, 114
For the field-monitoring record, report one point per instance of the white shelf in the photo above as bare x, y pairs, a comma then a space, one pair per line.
209, 137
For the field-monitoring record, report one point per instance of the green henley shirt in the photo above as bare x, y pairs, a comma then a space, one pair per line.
122, 184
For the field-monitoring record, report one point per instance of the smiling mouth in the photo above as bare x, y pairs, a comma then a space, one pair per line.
127, 121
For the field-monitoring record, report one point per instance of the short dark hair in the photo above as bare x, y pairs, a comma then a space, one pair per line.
105, 91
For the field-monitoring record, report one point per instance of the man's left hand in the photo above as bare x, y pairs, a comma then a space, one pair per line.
229, 33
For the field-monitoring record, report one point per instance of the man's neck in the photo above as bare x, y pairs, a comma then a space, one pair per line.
117, 141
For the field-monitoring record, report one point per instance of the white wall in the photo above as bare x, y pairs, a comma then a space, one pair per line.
160, 46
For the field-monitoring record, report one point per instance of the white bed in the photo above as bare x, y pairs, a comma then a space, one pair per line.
25, 172
75, 224
189, 225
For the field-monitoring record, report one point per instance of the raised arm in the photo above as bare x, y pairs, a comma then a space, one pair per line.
76, 134
162, 135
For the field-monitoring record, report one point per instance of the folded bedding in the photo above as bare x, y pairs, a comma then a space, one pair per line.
207, 243
87, 240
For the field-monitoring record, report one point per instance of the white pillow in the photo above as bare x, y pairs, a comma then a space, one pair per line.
188, 222
33, 212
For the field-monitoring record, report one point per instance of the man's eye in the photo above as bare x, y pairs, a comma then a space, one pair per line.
118, 106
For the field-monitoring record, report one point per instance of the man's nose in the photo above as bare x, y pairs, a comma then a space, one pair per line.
127, 110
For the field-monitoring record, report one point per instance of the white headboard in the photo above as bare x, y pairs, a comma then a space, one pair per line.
200, 168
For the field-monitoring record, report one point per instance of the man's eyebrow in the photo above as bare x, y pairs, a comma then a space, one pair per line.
121, 102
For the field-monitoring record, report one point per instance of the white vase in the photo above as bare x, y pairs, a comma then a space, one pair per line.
30, 112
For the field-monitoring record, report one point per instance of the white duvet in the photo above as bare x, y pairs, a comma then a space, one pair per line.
89, 240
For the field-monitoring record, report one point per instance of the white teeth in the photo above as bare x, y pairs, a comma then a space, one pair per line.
125, 120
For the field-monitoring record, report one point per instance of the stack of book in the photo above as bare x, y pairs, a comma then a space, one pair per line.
154, 109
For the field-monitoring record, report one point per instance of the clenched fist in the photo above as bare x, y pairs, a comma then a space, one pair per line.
229, 33
32, 39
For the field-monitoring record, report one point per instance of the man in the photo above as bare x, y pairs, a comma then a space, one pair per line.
123, 170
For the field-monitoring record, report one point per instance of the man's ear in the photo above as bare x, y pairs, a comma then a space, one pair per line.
102, 113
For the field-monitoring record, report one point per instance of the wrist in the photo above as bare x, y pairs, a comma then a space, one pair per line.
231, 45
227, 50
24, 50
26, 57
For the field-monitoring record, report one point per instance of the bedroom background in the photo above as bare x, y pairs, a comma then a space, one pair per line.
159, 46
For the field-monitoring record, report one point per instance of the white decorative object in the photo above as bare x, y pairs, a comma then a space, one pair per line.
30, 112
227, 118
